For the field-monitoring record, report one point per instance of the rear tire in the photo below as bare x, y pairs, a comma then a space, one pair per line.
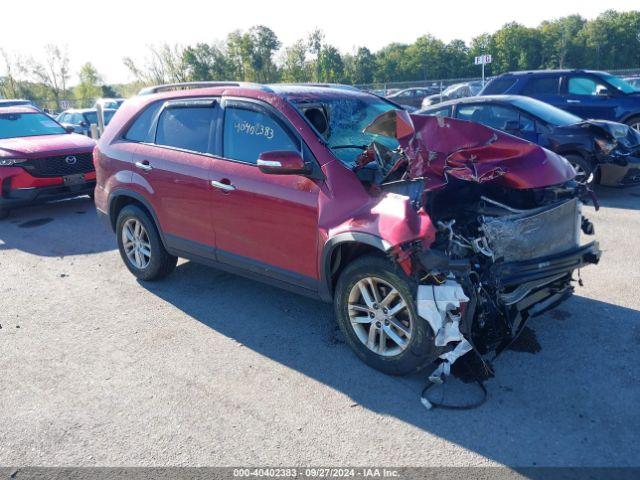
350, 304
140, 245
585, 171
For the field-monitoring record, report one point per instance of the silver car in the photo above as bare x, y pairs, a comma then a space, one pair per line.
81, 119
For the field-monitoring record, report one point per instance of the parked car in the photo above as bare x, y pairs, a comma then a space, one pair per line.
17, 102
634, 82
457, 90
585, 93
40, 160
597, 149
411, 96
80, 120
327, 192
110, 103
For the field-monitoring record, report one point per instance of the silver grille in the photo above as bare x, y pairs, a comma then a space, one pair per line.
535, 233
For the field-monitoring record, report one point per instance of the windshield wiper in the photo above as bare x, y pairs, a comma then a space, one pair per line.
360, 147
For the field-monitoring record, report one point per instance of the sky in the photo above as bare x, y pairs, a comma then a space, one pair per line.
105, 34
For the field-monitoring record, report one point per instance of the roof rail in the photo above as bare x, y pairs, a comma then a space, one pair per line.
341, 86
187, 85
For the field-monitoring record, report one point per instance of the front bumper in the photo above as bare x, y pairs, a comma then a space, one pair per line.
613, 175
20, 197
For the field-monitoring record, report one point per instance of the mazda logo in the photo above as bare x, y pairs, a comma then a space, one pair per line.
71, 160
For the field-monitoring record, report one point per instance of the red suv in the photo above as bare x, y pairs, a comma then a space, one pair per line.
431, 236
40, 160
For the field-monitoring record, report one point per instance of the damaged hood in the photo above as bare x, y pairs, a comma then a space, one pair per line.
618, 132
444, 147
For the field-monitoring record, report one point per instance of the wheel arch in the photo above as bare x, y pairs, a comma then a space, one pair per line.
121, 198
341, 249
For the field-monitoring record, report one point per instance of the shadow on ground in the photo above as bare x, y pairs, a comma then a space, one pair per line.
625, 198
58, 229
567, 405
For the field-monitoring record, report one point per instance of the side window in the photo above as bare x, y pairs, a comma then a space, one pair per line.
491, 115
541, 86
585, 86
248, 133
140, 130
527, 124
498, 85
472, 113
188, 128
442, 112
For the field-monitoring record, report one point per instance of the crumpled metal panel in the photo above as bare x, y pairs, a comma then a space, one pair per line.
534, 234
443, 147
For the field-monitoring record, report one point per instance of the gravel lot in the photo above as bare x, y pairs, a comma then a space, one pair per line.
207, 368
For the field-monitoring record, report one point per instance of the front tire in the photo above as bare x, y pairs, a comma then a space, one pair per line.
375, 308
140, 246
634, 122
585, 171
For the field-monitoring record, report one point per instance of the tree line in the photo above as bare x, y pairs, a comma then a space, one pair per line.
610, 41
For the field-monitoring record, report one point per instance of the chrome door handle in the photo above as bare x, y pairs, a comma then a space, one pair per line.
222, 186
573, 101
144, 166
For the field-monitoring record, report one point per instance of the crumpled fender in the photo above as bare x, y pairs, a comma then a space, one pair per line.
391, 218
445, 147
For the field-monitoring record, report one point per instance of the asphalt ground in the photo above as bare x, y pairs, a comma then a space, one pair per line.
207, 368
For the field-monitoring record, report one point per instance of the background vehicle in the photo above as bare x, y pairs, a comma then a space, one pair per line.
411, 96
305, 188
15, 102
80, 120
585, 93
614, 148
457, 90
40, 160
112, 103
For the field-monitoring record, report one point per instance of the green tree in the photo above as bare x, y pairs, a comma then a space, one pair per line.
562, 46
88, 90
516, 48
295, 67
330, 67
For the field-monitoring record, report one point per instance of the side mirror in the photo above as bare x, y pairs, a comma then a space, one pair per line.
282, 162
512, 126
603, 92
69, 128
84, 124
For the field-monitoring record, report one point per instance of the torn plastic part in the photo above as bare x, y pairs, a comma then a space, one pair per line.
436, 304
444, 369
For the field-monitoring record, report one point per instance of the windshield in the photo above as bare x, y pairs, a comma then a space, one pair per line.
546, 112
348, 116
619, 83
28, 125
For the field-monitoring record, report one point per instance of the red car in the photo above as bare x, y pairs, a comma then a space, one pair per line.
431, 236
40, 160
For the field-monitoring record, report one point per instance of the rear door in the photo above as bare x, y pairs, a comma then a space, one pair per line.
545, 88
263, 223
175, 171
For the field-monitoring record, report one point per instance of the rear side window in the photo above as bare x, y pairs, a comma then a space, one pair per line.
248, 133
541, 86
140, 130
498, 86
442, 112
187, 128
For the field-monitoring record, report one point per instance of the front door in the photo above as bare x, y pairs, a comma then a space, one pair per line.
264, 223
587, 97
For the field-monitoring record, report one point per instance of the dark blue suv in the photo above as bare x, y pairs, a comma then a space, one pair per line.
586, 93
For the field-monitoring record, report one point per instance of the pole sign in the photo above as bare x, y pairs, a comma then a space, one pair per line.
483, 60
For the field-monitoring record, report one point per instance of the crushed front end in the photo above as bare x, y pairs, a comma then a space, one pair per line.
509, 226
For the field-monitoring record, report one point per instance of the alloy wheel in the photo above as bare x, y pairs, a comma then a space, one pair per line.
636, 126
380, 316
135, 242
582, 176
